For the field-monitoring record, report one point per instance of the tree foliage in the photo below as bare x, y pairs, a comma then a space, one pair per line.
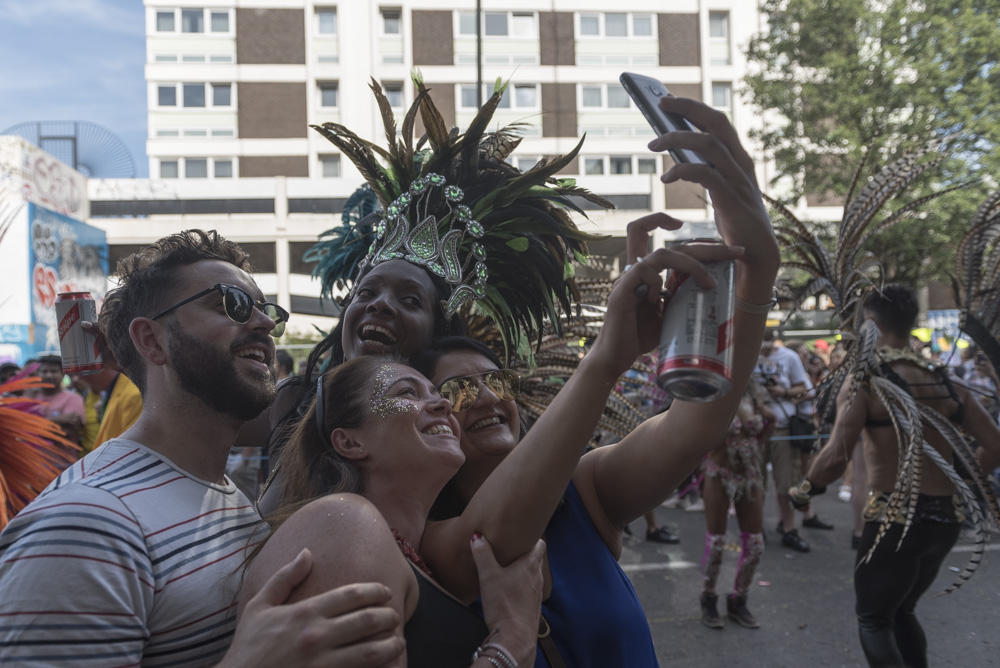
835, 76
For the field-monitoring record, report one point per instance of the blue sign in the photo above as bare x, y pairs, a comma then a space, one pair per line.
65, 255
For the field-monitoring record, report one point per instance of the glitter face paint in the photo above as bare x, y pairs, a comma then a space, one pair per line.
383, 405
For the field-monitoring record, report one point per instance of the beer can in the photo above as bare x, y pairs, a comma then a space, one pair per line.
81, 353
696, 337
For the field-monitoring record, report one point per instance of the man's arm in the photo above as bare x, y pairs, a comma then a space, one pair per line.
830, 462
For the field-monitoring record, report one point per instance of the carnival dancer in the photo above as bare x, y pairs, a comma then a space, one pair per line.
902, 548
907, 410
733, 478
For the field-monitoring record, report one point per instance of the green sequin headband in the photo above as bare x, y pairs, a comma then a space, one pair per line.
422, 244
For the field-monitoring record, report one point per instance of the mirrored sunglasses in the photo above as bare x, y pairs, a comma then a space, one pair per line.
462, 391
239, 306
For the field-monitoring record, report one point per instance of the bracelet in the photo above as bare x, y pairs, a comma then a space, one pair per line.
755, 309
501, 659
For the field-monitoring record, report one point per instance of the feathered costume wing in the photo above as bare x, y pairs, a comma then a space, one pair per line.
32, 449
979, 270
847, 274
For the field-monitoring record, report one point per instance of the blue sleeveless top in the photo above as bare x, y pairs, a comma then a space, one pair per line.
593, 611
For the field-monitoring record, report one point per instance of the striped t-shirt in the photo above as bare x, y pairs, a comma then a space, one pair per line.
124, 560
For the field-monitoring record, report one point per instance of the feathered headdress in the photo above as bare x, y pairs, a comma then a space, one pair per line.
501, 238
847, 275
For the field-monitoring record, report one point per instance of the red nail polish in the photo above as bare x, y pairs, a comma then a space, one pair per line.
477, 536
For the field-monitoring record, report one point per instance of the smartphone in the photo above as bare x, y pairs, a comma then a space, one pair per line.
646, 93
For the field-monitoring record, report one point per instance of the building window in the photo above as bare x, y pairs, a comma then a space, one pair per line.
329, 166
718, 38
328, 94
194, 95
621, 164
196, 168
593, 166
604, 96
222, 95
646, 166
326, 19
168, 169
394, 93
722, 95
165, 22
192, 20
614, 24
167, 96
524, 163
223, 169
392, 21
518, 96
220, 22
500, 24
466, 23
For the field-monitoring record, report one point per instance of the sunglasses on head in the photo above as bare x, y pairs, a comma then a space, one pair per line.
462, 391
239, 306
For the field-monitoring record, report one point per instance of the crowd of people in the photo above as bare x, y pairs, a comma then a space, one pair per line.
411, 516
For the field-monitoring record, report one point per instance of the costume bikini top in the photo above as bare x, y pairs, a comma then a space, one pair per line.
891, 355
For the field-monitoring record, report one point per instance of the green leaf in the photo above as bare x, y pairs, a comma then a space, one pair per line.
520, 244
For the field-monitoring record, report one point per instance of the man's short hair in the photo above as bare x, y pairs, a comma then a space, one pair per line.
894, 309
145, 280
54, 360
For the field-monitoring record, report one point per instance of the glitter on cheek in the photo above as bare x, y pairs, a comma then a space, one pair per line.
384, 406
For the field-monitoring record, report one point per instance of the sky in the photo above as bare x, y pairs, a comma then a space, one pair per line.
75, 60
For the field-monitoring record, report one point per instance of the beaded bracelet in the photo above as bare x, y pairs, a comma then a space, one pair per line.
501, 659
755, 309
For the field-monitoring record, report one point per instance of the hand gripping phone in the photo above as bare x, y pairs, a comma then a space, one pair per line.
646, 93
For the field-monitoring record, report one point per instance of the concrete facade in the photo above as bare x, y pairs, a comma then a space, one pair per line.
237, 154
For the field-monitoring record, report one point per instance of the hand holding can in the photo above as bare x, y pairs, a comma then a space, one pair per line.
696, 338
81, 352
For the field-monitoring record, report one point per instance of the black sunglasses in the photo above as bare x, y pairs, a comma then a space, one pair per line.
462, 391
239, 307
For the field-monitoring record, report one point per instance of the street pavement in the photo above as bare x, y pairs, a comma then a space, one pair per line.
804, 602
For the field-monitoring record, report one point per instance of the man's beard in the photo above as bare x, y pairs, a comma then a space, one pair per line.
210, 374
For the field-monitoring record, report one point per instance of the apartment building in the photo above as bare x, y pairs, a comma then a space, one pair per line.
233, 87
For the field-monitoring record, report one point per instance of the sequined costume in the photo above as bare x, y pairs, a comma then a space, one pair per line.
738, 465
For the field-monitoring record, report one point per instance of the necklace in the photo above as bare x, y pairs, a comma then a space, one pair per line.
411, 554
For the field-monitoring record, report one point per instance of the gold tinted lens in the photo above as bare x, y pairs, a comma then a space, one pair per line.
461, 392
504, 383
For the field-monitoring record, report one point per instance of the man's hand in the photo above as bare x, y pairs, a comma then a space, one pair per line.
800, 495
107, 357
347, 627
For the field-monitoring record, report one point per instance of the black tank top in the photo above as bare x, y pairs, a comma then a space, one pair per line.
442, 633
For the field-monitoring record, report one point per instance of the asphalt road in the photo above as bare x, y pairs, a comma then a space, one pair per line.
804, 602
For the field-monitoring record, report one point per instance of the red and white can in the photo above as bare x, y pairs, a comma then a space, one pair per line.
81, 353
696, 337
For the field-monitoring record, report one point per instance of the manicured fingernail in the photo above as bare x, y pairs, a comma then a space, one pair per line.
477, 536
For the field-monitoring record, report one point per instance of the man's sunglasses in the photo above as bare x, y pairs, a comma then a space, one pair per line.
462, 391
239, 307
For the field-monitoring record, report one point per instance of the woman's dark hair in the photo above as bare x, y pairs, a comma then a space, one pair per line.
894, 308
449, 502
332, 347
426, 359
